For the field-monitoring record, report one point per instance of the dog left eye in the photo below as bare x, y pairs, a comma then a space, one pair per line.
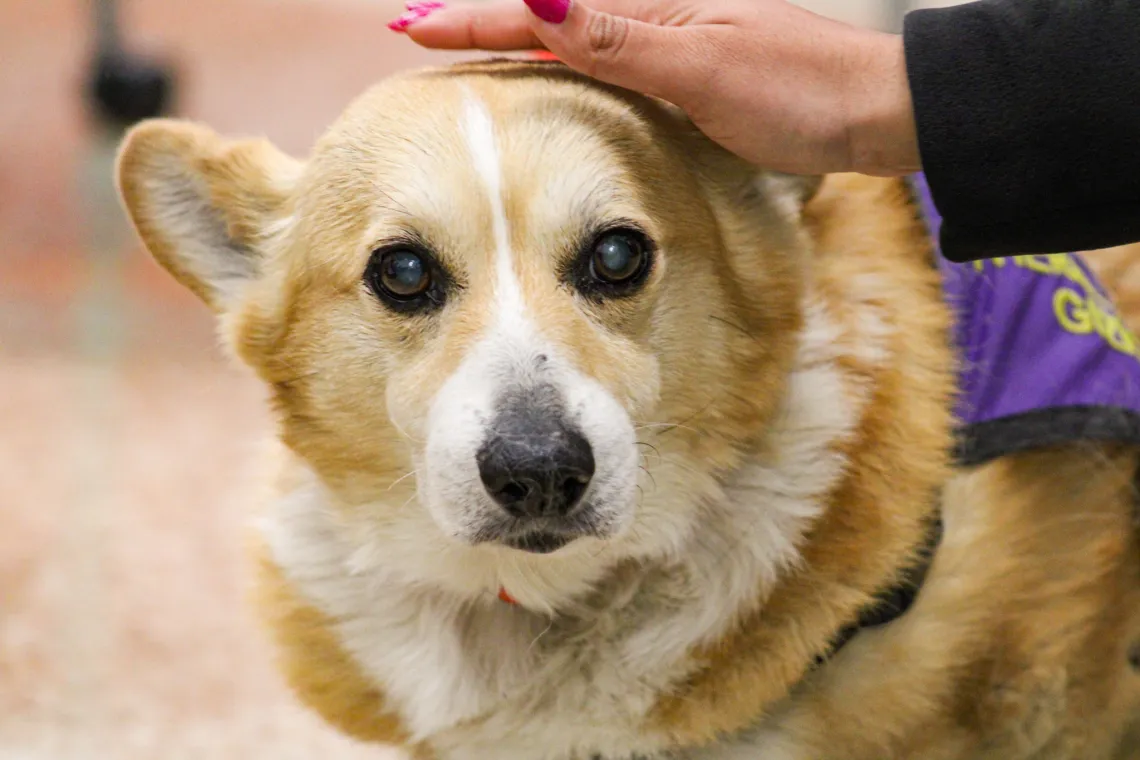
617, 257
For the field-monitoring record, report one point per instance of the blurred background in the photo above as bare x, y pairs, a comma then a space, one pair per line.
128, 445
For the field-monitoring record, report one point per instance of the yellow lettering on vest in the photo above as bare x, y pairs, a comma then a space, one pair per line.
1096, 316
1080, 309
1040, 264
1073, 273
1120, 337
1072, 315
997, 261
1110, 327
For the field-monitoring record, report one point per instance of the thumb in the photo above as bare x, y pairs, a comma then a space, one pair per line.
638, 56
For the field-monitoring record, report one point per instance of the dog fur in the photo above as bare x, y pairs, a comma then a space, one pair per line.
770, 413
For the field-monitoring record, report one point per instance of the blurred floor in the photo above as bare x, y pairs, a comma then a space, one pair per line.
123, 628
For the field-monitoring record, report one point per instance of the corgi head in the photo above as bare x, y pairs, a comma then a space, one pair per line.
489, 303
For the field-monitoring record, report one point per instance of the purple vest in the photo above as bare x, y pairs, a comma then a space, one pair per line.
1045, 359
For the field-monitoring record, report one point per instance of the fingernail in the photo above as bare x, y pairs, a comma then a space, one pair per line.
416, 12
553, 11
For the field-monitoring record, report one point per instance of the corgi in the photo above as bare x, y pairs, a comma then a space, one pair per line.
596, 442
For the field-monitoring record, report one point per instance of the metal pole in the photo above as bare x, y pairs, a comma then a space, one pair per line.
107, 35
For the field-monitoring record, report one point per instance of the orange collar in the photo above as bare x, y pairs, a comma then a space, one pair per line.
507, 597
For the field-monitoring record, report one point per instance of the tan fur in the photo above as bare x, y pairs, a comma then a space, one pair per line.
863, 228
1119, 271
1018, 645
1004, 655
317, 667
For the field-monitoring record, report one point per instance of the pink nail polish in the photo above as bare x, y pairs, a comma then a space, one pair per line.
416, 12
402, 23
553, 11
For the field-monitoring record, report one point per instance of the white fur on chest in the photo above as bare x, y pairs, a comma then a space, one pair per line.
481, 679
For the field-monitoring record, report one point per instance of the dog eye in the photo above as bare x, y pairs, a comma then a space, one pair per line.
619, 256
404, 274
402, 277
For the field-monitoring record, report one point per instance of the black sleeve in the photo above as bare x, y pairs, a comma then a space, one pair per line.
1028, 116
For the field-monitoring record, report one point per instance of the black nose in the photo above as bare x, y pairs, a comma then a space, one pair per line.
535, 465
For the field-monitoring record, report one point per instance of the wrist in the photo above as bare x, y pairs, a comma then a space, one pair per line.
880, 129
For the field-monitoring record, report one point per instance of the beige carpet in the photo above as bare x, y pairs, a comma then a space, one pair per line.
124, 631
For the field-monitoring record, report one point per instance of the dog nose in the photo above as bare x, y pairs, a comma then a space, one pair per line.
536, 467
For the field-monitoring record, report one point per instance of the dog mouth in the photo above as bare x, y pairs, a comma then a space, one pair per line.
542, 536
538, 543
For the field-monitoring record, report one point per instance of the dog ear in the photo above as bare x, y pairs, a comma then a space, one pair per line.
743, 182
204, 206
795, 190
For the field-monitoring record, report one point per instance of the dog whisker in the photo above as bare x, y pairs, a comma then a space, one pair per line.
668, 426
733, 325
407, 436
402, 478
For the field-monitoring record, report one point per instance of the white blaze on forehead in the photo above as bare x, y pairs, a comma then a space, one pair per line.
514, 354
479, 133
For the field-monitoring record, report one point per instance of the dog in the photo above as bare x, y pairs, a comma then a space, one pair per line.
595, 441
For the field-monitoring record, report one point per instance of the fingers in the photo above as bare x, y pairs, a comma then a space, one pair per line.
648, 58
495, 25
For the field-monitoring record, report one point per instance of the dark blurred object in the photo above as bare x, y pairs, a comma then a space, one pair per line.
125, 87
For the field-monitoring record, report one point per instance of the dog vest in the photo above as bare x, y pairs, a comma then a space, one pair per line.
1045, 358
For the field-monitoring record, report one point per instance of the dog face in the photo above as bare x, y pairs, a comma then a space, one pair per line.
494, 297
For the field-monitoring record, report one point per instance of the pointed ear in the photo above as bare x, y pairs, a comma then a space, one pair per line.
791, 191
743, 181
204, 206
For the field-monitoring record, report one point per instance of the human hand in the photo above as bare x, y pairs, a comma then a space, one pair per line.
778, 85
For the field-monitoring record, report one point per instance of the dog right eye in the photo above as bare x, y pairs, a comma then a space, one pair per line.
404, 278
403, 274
615, 263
